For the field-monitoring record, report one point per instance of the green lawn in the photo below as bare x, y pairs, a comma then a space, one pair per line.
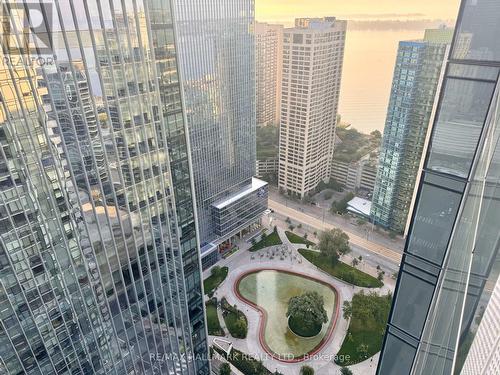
270, 240
212, 282
341, 270
366, 328
213, 323
295, 238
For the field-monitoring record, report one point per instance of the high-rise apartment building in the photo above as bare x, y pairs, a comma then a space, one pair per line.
217, 52
313, 53
416, 76
99, 262
268, 65
446, 285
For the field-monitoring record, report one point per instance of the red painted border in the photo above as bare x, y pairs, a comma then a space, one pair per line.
263, 314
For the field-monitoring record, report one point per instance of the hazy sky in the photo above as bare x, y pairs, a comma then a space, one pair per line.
369, 53
282, 10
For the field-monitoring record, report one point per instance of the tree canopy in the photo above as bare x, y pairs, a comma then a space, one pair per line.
308, 309
334, 243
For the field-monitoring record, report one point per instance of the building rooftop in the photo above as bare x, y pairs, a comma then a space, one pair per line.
359, 206
254, 186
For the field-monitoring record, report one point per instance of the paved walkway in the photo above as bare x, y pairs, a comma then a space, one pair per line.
242, 261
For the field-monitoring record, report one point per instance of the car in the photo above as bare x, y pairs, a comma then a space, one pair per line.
267, 212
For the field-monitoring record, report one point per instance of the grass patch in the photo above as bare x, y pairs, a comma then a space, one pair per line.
213, 323
213, 281
341, 270
244, 362
269, 240
295, 238
236, 321
369, 314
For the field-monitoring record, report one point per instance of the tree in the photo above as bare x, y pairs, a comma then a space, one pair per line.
333, 244
380, 275
345, 371
305, 236
263, 236
308, 309
355, 262
291, 227
299, 226
376, 134
306, 370
341, 206
347, 309
225, 369
241, 327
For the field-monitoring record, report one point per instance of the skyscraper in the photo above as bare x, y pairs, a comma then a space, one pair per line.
268, 65
217, 52
313, 53
450, 263
415, 81
99, 262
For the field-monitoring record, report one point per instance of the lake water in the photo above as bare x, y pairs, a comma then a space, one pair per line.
367, 75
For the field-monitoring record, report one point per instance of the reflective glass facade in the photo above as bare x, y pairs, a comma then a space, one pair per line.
451, 260
99, 263
217, 65
416, 76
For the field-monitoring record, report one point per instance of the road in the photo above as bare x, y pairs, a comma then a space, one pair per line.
355, 239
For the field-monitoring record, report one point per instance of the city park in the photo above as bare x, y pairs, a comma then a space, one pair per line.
289, 302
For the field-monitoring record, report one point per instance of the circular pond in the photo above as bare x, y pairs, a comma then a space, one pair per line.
269, 291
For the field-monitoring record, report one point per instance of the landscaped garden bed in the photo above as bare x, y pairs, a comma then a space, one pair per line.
267, 240
213, 323
212, 282
244, 362
236, 321
295, 238
341, 270
368, 314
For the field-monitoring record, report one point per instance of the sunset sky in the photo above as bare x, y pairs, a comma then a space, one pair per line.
283, 10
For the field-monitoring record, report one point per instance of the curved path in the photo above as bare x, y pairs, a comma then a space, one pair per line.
243, 262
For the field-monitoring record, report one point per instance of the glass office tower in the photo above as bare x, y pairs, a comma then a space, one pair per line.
451, 260
99, 263
217, 65
415, 81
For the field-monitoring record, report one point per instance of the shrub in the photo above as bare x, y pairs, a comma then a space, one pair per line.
225, 369
306, 370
